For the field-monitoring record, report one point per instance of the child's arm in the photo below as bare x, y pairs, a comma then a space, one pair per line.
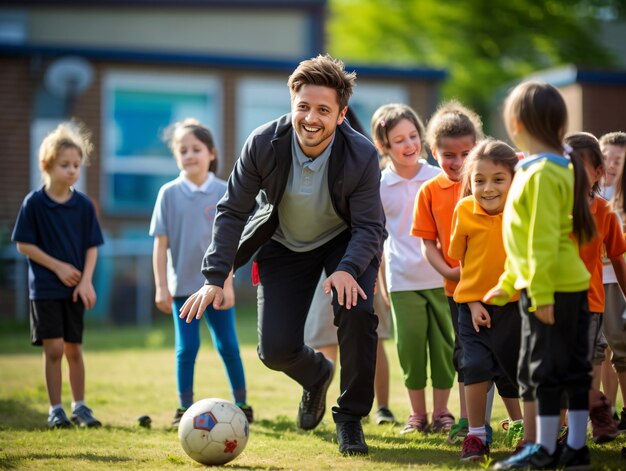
162, 297
85, 289
66, 272
434, 256
619, 265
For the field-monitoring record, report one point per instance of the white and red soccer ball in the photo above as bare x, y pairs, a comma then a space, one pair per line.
213, 431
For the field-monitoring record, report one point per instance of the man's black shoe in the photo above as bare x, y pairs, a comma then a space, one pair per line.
313, 402
351, 439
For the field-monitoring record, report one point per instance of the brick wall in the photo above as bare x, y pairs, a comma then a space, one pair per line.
16, 85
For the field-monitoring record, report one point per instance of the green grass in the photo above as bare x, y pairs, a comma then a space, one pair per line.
130, 372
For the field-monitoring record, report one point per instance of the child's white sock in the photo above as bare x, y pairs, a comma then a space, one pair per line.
77, 404
489, 404
577, 428
548, 431
55, 407
480, 432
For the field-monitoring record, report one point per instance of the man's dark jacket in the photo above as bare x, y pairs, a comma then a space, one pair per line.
247, 215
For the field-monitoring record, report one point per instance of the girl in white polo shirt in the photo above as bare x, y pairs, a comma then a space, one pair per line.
423, 327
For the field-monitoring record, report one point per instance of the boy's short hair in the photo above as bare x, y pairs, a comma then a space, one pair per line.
617, 138
324, 71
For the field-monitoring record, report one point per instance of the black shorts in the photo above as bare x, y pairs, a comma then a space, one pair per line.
492, 354
56, 318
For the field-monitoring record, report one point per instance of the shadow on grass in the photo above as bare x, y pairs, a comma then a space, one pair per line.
19, 415
17, 461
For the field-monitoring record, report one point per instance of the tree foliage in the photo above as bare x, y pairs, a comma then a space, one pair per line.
483, 44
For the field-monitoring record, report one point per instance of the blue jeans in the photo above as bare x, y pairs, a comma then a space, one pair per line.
187, 343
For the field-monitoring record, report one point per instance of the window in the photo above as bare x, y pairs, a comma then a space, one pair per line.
259, 101
367, 97
137, 109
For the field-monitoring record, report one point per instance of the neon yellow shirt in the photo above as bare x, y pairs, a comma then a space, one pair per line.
542, 256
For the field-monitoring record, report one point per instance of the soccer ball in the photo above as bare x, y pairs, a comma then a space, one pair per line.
213, 431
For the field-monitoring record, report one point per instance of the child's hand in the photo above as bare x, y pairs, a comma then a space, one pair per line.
87, 294
545, 314
480, 316
163, 300
496, 296
68, 274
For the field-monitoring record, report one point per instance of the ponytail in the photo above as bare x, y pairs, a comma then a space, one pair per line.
584, 224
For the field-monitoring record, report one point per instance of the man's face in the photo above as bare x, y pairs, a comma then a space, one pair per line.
315, 115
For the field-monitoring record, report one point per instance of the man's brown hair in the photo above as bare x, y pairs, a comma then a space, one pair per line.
324, 71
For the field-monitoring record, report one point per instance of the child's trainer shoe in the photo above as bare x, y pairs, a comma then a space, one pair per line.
177, 416
247, 410
458, 431
473, 449
83, 416
531, 456
385, 416
416, 423
442, 422
603, 428
58, 419
574, 459
514, 432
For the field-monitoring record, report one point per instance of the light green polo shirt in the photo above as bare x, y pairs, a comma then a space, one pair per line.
307, 219
542, 256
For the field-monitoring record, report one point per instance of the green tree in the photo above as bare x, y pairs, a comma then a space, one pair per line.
483, 44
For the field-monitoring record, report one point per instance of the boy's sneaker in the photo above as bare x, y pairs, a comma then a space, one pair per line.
531, 456
473, 449
416, 423
458, 431
603, 428
247, 410
385, 416
443, 422
58, 419
350, 438
83, 416
574, 459
514, 432
177, 416
313, 402
621, 426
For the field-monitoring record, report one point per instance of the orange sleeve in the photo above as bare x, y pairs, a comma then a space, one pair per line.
458, 238
424, 224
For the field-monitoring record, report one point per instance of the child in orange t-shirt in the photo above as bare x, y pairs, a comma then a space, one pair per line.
610, 240
490, 335
452, 133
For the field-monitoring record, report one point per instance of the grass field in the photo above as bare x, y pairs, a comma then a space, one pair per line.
130, 372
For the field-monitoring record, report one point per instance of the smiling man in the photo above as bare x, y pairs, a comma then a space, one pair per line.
304, 197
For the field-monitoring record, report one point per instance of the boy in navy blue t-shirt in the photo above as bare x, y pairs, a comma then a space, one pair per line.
58, 231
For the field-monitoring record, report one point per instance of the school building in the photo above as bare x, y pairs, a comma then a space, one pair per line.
129, 68
595, 99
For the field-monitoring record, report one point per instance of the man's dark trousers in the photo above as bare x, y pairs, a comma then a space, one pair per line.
288, 280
